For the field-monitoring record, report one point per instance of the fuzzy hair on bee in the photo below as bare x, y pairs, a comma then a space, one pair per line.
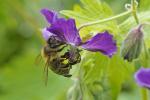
57, 60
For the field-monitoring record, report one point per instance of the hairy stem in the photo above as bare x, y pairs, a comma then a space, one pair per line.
134, 10
144, 94
105, 20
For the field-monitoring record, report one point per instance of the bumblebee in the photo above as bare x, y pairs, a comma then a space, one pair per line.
58, 60
63, 64
73, 56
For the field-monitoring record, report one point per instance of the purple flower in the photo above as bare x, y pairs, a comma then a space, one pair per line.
65, 30
142, 77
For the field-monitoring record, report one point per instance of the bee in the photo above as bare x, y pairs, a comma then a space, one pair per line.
58, 60
61, 66
50, 53
73, 56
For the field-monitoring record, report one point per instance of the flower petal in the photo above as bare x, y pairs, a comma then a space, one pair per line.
66, 30
50, 16
142, 77
46, 34
102, 42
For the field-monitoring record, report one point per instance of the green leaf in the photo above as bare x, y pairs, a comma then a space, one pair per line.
144, 4
92, 10
101, 78
21, 79
97, 74
118, 72
130, 22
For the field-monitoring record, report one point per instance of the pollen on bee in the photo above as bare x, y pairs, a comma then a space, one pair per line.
66, 61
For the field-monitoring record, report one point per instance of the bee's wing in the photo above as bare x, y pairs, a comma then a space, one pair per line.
46, 71
38, 59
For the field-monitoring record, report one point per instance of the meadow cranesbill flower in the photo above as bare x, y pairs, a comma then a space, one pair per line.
142, 77
65, 30
61, 34
131, 46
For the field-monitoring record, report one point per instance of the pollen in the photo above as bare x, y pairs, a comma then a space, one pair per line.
66, 61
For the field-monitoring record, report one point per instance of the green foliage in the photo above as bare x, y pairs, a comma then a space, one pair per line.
99, 77
119, 71
96, 81
130, 22
23, 80
144, 4
20, 43
92, 10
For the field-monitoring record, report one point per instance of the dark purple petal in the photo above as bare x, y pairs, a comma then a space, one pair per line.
102, 42
50, 16
46, 34
57, 29
66, 30
142, 77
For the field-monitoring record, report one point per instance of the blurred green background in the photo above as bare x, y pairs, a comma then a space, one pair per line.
20, 44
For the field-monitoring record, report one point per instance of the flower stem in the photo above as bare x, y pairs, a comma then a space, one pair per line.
105, 20
134, 10
145, 50
144, 94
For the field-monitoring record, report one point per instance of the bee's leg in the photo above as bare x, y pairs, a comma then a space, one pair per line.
66, 55
38, 59
65, 71
79, 58
76, 60
46, 70
62, 59
79, 50
64, 65
61, 48
68, 75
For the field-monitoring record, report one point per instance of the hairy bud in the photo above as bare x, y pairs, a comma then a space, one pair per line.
131, 46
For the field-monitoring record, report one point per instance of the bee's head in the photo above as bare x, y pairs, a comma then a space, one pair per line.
54, 42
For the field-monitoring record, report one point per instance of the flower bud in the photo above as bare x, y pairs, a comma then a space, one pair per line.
131, 46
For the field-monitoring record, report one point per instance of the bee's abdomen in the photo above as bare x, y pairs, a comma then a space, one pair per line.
61, 68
